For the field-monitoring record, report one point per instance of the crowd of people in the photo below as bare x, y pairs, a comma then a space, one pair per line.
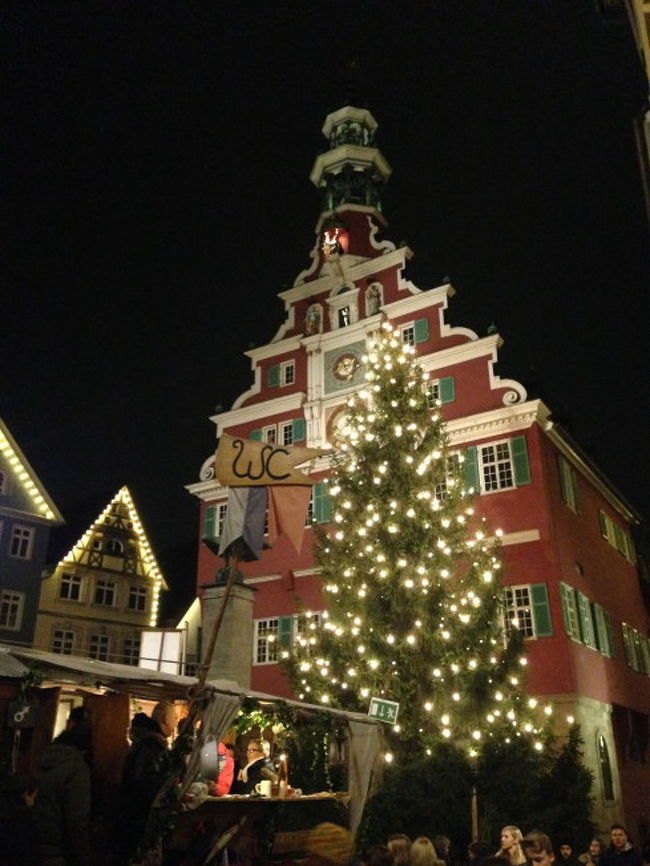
534, 849
57, 811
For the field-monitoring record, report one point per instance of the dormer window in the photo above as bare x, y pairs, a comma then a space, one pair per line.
114, 547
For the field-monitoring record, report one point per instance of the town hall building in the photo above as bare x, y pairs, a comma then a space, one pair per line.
570, 577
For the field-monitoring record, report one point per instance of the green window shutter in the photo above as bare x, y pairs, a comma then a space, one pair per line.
255, 435
322, 503
602, 636
470, 468
520, 460
447, 389
610, 632
541, 610
209, 521
299, 427
285, 631
273, 376
421, 330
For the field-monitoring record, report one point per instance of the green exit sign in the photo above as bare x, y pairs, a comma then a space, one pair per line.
385, 711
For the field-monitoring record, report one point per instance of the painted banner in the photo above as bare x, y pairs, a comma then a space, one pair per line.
245, 463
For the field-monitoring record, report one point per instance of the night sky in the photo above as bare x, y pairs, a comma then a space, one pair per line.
155, 195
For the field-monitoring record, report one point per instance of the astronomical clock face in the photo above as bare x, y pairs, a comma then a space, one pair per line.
343, 367
338, 428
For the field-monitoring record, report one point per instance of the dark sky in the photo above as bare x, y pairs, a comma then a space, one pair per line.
155, 194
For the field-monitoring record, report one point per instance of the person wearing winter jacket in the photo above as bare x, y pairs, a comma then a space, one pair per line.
62, 808
621, 852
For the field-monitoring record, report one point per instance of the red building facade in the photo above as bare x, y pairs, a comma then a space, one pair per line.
570, 575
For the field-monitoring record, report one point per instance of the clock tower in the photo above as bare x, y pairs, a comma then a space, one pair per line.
566, 531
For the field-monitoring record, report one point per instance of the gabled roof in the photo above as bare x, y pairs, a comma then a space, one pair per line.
27, 479
120, 513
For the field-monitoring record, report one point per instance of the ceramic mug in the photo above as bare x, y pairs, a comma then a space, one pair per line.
263, 788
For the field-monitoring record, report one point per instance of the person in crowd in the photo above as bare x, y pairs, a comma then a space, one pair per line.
565, 856
258, 767
591, 856
511, 837
226, 770
147, 767
423, 852
621, 851
442, 844
399, 845
645, 852
329, 845
62, 808
477, 851
378, 855
537, 849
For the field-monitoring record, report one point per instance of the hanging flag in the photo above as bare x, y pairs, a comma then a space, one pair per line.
245, 519
288, 508
244, 463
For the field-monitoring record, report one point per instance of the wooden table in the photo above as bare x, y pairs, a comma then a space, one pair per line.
266, 829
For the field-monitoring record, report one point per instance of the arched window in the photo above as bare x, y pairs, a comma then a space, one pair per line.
605, 767
114, 547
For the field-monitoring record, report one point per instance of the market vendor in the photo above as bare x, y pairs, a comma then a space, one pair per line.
258, 767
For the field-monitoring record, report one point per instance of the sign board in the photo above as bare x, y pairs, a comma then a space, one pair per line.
21, 715
384, 711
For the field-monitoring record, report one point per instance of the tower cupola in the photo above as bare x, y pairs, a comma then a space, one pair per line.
353, 171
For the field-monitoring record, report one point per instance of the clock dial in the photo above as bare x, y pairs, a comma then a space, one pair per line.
345, 366
339, 428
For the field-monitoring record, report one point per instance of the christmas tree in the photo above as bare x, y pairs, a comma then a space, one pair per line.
410, 577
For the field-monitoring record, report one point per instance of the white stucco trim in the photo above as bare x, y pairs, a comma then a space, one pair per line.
355, 269
522, 537
244, 414
266, 578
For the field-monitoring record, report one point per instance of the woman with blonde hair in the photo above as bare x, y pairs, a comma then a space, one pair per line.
400, 848
423, 853
511, 849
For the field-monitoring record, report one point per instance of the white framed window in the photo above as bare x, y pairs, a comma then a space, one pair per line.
270, 434
407, 334
452, 470
21, 542
570, 611
616, 536
11, 609
286, 433
70, 588
267, 632
137, 598
63, 641
496, 471
585, 615
519, 611
213, 520
131, 651
287, 372
304, 626
343, 307
105, 592
432, 390
99, 647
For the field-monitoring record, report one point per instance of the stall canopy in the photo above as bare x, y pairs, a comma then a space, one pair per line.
225, 698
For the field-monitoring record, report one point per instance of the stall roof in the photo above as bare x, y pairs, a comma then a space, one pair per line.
15, 662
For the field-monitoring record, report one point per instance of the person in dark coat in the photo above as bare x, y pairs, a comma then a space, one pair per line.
621, 852
147, 766
256, 769
62, 810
